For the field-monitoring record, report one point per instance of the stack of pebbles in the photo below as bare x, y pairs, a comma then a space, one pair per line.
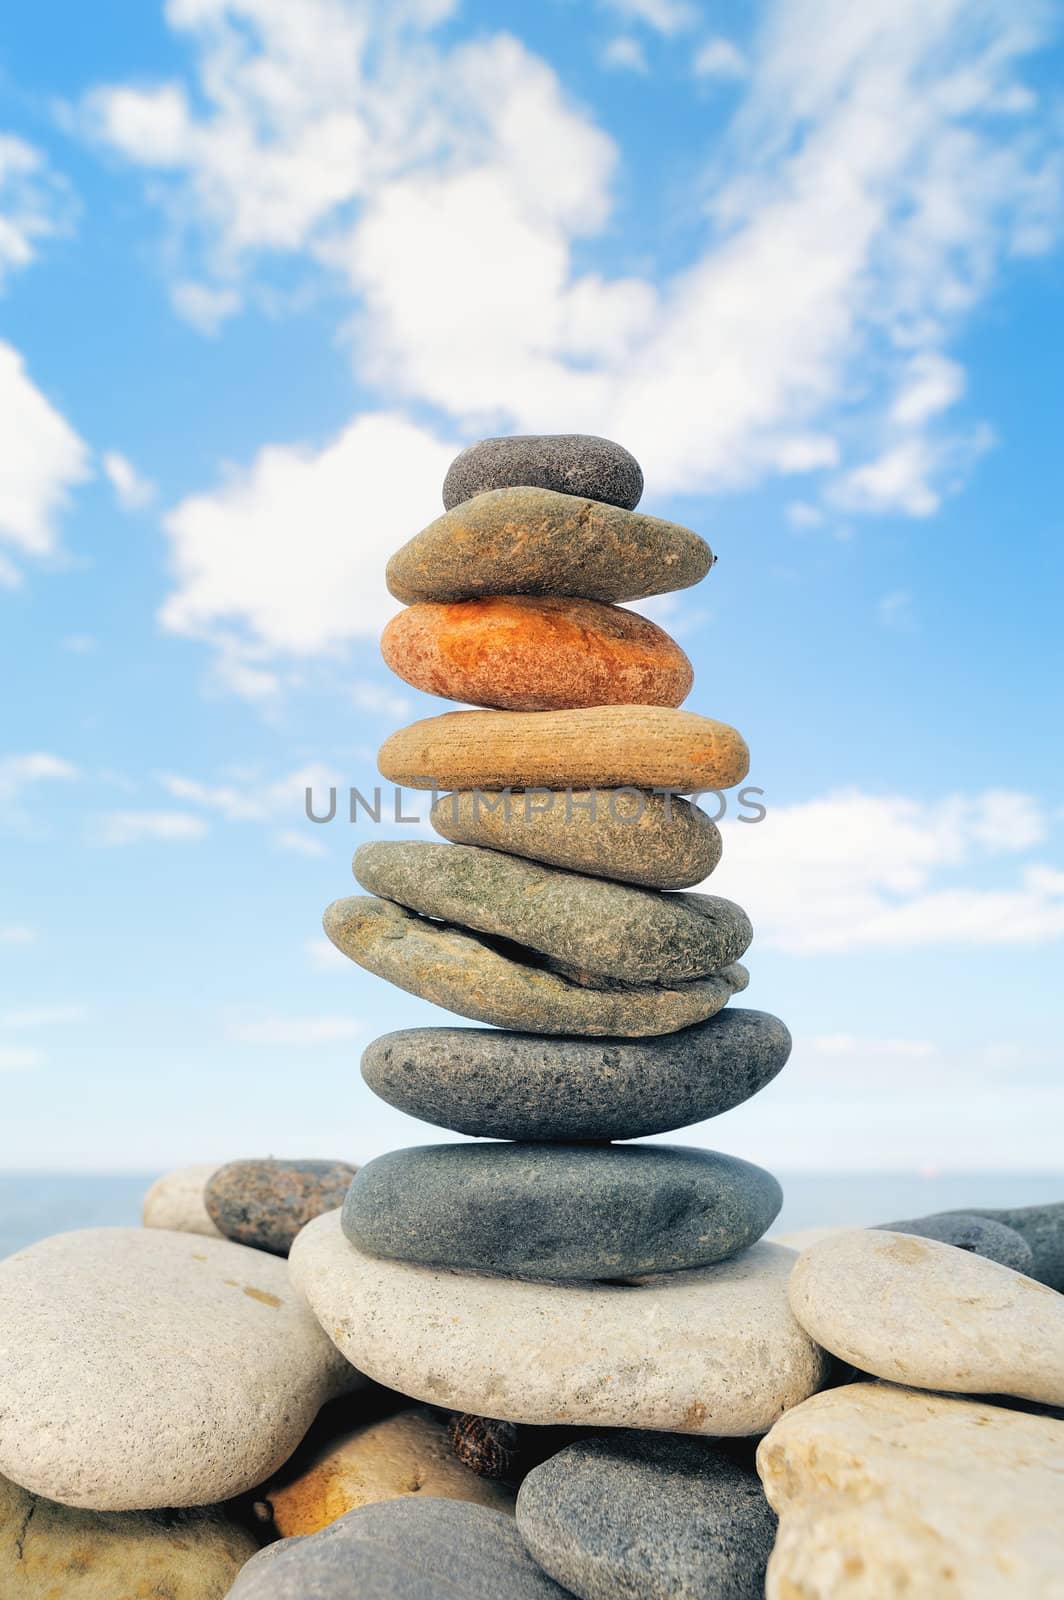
554, 1275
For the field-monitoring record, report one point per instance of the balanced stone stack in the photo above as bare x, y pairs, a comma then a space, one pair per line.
553, 1275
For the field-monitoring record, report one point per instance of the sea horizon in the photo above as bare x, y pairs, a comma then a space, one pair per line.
37, 1203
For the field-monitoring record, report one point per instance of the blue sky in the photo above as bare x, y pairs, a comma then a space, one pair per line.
264, 268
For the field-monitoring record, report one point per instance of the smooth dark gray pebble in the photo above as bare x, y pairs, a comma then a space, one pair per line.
980, 1235
1043, 1228
559, 1211
403, 1549
569, 463
652, 1516
498, 1085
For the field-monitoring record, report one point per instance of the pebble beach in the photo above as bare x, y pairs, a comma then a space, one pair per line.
547, 1358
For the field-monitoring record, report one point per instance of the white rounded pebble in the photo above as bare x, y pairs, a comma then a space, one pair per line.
141, 1368
712, 1351
175, 1201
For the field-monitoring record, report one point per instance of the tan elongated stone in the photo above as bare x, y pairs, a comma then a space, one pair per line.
606, 747
919, 1312
466, 973
713, 1351
884, 1493
529, 653
658, 841
177, 1201
536, 541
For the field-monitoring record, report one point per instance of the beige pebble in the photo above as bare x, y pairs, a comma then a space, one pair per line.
176, 1201
915, 1311
713, 1351
886, 1493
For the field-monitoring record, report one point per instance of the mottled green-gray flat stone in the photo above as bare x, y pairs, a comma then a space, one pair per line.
535, 541
587, 927
630, 835
559, 1211
497, 1085
498, 983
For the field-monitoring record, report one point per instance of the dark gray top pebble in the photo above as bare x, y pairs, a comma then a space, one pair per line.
559, 1211
498, 1085
570, 463
980, 1235
1043, 1229
592, 930
265, 1203
652, 1516
404, 1549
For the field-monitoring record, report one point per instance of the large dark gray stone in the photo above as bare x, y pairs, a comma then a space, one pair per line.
498, 1085
401, 1550
649, 1516
559, 1211
588, 928
966, 1231
570, 463
1043, 1228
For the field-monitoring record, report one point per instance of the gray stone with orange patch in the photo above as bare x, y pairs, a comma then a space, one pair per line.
265, 1203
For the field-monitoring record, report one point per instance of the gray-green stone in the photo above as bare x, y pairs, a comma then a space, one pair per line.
649, 1516
966, 1231
571, 463
497, 1085
559, 1211
492, 981
535, 541
630, 835
404, 1549
589, 928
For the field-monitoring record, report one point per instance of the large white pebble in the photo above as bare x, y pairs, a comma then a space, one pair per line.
713, 1351
885, 1492
176, 1201
915, 1311
141, 1368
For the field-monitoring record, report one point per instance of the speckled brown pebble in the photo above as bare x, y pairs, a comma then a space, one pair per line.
487, 1447
607, 747
571, 463
534, 541
659, 841
468, 973
265, 1203
522, 653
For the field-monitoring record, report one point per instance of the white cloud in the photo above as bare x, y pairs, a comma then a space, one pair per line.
114, 828
290, 554
625, 54
896, 610
80, 644
132, 491
41, 1017
719, 58
666, 16
301, 844
296, 1030
324, 956
43, 460
206, 306
255, 799
19, 1059
800, 514
35, 204
18, 772
372, 697
854, 871
17, 933
882, 161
